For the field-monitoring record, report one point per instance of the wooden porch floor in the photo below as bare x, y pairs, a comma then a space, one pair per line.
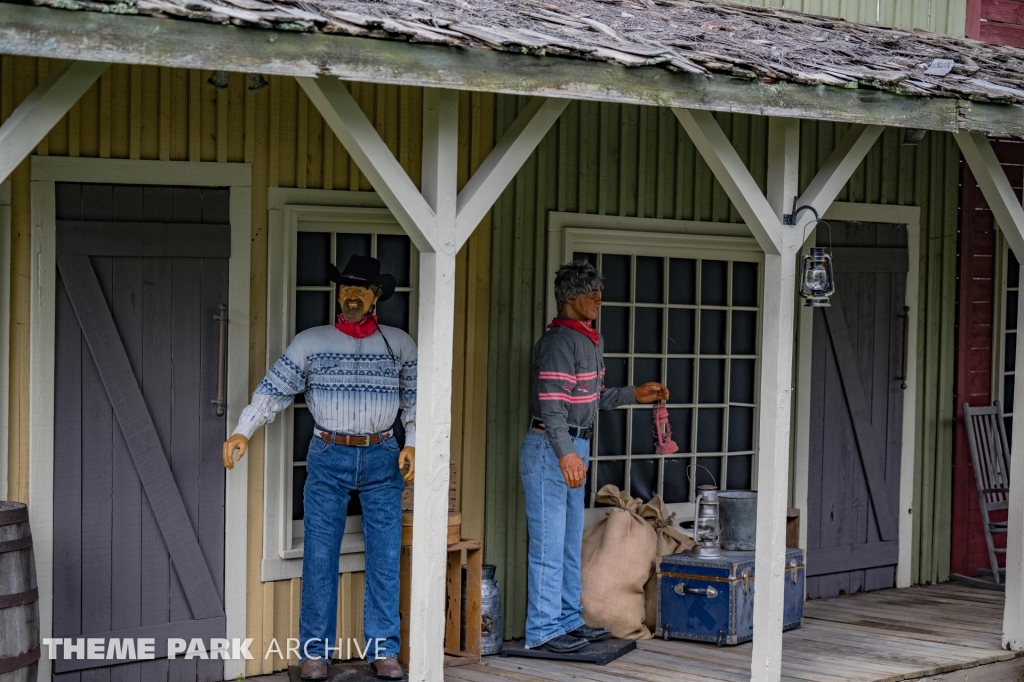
887, 635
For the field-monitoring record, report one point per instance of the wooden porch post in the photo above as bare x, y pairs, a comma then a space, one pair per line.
47, 104
780, 244
439, 221
1009, 215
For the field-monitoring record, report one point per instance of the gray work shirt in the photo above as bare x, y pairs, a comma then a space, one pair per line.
568, 385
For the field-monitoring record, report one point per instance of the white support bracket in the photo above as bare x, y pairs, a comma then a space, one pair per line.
439, 221
42, 109
504, 161
1008, 214
734, 177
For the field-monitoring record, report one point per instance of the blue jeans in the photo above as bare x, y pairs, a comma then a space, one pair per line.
554, 521
333, 472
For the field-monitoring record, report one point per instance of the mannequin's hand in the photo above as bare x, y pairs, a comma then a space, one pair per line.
573, 470
649, 392
236, 442
407, 456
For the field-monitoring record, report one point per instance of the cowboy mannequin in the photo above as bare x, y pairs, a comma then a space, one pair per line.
568, 389
356, 375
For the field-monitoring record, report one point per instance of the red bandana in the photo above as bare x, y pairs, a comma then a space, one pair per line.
585, 327
358, 330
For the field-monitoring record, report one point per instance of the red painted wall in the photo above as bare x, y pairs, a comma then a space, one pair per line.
1000, 22
974, 340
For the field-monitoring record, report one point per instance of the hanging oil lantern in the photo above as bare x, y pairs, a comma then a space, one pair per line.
816, 280
663, 431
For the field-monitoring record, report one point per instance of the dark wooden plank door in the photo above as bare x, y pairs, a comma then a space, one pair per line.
138, 481
857, 414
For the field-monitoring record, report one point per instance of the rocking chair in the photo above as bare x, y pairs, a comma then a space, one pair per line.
990, 458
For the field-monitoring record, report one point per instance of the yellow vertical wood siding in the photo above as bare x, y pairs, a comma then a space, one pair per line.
938, 16
147, 112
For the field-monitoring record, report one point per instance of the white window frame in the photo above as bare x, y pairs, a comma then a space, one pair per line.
1002, 287
571, 232
315, 211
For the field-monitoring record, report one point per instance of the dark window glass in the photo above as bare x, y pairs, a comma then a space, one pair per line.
302, 432
709, 429
1012, 270
394, 255
744, 332
1010, 352
680, 380
1011, 310
647, 333
312, 309
614, 472
350, 244
681, 422
394, 312
313, 255
714, 282
646, 369
1008, 421
744, 284
614, 326
616, 278
1008, 394
709, 471
298, 482
741, 429
676, 487
650, 279
616, 372
643, 478
739, 472
680, 330
589, 257
711, 382
682, 281
712, 332
643, 433
611, 433
741, 381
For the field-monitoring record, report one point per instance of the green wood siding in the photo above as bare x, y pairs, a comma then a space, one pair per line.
637, 161
938, 16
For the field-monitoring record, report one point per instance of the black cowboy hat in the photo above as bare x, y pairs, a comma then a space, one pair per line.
364, 271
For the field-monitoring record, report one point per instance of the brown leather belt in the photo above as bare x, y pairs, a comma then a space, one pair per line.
355, 441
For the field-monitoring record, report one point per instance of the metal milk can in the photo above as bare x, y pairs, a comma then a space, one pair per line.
490, 612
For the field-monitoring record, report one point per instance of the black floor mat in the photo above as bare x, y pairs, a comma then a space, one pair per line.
601, 653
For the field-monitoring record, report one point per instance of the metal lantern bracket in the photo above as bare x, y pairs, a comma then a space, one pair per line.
790, 219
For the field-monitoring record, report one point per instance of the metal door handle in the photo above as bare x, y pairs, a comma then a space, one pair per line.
222, 358
709, 591
906, 346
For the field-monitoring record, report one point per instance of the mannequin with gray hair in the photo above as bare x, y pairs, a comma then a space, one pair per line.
568, 389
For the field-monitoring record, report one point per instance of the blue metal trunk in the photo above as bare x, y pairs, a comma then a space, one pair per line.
712, 600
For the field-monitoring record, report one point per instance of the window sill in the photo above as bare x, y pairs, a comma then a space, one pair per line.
288, 563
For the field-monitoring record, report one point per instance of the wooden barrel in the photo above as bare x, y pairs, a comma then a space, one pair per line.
19, 597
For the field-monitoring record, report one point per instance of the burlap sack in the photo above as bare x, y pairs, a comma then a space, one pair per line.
671, 540
618, 555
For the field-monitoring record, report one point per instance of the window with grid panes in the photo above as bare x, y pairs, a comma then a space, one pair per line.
316, 304
693, 325
1007, 372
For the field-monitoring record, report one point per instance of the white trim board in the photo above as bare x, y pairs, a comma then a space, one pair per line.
282, 559
869, 213
45, 172
5, 328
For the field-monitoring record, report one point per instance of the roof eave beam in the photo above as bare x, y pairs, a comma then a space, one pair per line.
1009, 215
42, 109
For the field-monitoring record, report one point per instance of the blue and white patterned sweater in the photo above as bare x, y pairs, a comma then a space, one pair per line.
352, 385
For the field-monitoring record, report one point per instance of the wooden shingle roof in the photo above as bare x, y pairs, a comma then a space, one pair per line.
708, 37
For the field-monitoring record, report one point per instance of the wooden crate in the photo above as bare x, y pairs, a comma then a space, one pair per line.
453, 480
453, 653
454, 527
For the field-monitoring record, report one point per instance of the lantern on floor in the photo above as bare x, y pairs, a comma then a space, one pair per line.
707, 529
816, 280
663, 431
